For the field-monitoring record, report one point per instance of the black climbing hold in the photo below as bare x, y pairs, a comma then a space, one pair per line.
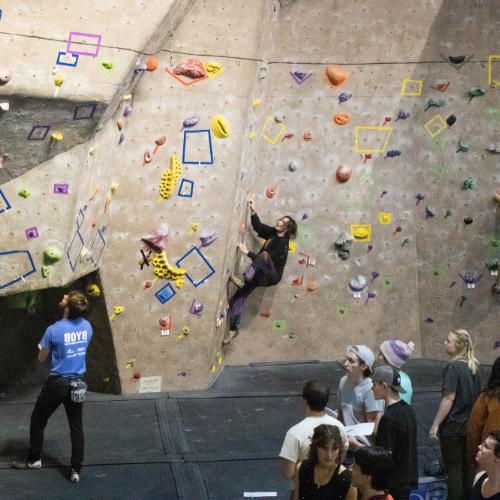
456, 59
451, 120
468, 220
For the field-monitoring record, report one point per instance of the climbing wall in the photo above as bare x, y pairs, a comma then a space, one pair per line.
381, 138
138, 147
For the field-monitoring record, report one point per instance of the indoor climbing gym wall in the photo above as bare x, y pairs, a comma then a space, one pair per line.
131, 140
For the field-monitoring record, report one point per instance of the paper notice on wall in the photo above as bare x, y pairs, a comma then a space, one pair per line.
150, 384
365, 429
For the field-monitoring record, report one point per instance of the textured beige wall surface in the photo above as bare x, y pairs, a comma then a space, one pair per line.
418, 290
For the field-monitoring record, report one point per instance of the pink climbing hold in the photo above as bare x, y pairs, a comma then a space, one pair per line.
192, 68
343, 173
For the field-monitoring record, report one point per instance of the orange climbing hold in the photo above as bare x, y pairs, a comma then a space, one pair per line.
151, 63
336, 76
312, 285
341, 118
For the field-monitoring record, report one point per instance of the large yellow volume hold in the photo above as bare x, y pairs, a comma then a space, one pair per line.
163, 269
220, 127
170, 177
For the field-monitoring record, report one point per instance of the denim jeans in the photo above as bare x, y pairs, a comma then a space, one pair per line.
56, 391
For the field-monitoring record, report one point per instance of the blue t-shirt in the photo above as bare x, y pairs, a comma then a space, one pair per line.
406, 384
67, 340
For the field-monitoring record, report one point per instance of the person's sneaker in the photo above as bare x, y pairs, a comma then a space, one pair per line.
24, 464
74, 477
229, 335
237, 281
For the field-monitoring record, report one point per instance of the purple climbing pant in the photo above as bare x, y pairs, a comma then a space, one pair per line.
260, 273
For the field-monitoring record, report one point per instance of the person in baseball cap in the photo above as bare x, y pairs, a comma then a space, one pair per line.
389, 375
396, 353
396, 431
357, 404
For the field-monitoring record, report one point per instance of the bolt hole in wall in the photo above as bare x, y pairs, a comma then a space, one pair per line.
24, 318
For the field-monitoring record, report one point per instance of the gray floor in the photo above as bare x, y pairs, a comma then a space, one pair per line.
214, 444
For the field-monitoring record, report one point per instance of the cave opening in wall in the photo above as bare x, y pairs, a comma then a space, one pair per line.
24, 318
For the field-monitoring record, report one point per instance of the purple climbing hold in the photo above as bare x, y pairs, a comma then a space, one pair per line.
190, 122
393, 153
343, 97
127, 110
429, 213
375, 275
122, 138
383, 194
471, 277
429, 320
402, 115
369, 248
419, 197
371, 295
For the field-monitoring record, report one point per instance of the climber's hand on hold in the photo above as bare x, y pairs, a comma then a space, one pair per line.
251, 205
242, 248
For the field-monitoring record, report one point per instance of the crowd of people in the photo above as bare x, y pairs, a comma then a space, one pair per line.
367, 447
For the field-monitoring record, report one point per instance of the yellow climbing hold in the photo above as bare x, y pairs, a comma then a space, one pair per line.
256, 102
220, 127
116, 311
93, 290
163, 269
58, 80
213, 68
179, 282
251, 136
194, 228
57, 136
170, 177
361, 232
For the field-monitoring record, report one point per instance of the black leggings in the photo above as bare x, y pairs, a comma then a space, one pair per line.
56, 391
260, 273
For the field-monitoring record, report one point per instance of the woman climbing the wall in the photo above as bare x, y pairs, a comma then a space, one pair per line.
266, 268
461, 387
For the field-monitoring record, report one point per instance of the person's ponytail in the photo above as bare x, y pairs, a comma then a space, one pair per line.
465, 349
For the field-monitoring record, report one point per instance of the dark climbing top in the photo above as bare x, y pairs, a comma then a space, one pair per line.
276, 246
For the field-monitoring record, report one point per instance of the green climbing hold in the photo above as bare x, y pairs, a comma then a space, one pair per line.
469, 183
107, 64
46, 270
447, 213
24, 193
462, 147
51, 255
492, 264
435, 103
475, 92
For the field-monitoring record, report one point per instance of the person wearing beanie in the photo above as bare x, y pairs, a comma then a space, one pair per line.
396, 353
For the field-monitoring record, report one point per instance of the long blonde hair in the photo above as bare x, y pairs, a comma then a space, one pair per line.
465, 349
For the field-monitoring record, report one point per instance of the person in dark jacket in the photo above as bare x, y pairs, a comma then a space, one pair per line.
267, 264
397, 431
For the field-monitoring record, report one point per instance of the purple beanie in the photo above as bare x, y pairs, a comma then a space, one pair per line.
397, 352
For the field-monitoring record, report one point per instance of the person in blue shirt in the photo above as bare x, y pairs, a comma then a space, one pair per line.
66, 342
396, 353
